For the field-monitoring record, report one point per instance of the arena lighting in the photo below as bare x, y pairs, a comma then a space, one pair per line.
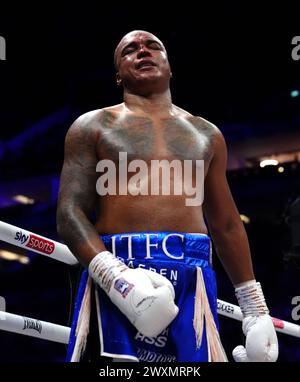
12, 256
245, 219
280, 169
294, 93
22, 199
268, 162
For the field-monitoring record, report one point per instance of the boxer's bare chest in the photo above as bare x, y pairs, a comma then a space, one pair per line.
154, 138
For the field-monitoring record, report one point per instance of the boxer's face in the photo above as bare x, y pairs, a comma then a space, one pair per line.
140, 57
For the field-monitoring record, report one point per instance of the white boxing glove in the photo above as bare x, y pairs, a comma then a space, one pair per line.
146, 298
261, 339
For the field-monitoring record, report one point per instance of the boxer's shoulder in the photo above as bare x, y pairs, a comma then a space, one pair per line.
97, 116
199, 122
92, 122
209, 129
204, 124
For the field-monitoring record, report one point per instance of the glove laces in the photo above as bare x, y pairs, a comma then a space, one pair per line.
104, 268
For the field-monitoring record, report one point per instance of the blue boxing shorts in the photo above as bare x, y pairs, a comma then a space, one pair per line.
184, 259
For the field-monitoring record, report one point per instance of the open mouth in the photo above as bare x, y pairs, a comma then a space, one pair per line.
145, 64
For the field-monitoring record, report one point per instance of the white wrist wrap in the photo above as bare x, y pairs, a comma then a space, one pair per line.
251, 299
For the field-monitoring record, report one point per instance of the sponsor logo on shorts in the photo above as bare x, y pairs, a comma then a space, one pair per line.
151, 244
150, 356
35, 242
29, 323
123, 287
159, 341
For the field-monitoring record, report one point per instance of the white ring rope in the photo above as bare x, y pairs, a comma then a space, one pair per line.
36, 243
34, 328
58, 251
281, 326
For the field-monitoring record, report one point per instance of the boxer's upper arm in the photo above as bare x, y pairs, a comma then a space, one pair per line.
78, 176
219, 207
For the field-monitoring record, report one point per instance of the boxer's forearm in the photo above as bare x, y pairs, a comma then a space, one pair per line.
233, 250
79, 234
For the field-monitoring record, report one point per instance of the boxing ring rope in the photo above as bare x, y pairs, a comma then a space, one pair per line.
36, 243
34, 328
58, 251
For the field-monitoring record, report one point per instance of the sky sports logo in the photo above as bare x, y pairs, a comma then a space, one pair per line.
35, 243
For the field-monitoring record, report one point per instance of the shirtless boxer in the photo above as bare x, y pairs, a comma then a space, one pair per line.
147, 126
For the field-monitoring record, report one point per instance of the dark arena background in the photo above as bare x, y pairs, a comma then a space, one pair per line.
236, 65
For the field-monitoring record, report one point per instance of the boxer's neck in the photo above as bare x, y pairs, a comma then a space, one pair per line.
156, 103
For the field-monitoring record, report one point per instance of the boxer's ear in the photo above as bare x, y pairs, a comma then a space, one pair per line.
118, 79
